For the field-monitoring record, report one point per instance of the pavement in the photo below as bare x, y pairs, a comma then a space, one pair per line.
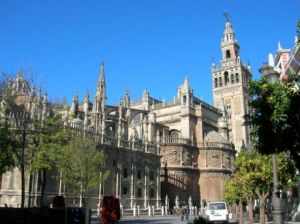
165, 220
146, 219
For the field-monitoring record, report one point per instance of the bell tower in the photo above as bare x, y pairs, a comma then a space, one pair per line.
230, 91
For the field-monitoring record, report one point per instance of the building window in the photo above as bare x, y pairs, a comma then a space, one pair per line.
184, 99
216, 82
226, 78
228, 54
151, 175
151, 193
237, 78
124, 191
139, 193
125, 173
220, 82
139, 174
232, 78
114, 163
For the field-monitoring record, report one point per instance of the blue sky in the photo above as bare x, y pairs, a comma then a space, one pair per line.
149, 44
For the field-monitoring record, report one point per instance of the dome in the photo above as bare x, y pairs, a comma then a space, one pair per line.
213, 136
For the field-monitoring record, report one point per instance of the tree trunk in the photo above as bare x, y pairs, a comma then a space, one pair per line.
262, 198
241, 221
261, 212
250, 210
22, 185
43, 186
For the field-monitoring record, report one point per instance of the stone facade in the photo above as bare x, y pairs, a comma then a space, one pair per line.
181, 149
230, 92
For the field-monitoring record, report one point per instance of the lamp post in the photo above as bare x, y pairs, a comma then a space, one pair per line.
276, 200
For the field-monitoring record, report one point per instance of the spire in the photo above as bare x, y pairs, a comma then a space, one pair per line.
228, 35
87, 96
279, 46
127, 98
229, 45
102, 88
186, 82
271, 60
100, 97
86, 102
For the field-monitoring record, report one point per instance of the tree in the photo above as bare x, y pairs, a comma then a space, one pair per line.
47, 149
275, 117
6, 139
15, 106
20, 129
82, 164
233, 194
6, 156
253, 178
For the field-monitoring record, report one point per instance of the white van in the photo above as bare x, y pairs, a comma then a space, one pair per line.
217, 212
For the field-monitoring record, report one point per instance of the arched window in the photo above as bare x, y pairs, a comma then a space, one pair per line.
220, 81
227, 53
226, 78
237, 79
174, 136
232, 78
139, 192
216, 82
151, 193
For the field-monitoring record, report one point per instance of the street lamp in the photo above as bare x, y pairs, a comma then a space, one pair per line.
276, 200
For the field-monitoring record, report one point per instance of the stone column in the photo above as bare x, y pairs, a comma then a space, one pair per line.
146, 186
132, 198
117, 180
158, 187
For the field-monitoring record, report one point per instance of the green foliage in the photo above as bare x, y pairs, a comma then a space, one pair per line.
6, 156
82, 164
275, 117
253, 173
232, 191
49, 143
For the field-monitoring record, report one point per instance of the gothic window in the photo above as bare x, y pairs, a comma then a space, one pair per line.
151, 175
226, 78
124, 190
139, 174
216, 82
151, 195
232, 78
220, 81
227, 53
139, 193
237, 79
184, 99
125, 173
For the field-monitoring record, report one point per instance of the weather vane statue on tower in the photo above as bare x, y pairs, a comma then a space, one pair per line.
226, 16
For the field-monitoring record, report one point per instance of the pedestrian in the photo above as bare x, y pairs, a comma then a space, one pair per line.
182, 214
187, 213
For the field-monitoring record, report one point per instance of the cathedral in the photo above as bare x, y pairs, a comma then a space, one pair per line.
182, 150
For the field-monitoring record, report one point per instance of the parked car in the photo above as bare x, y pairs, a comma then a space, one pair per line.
217, 212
